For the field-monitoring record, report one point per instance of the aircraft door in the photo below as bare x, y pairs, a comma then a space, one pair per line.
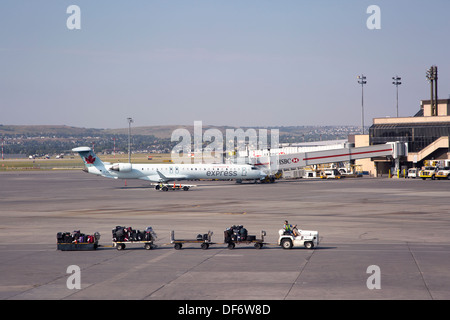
244, 171
171, 170
177, 170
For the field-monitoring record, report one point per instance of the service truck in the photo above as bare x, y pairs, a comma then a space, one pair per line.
428, 172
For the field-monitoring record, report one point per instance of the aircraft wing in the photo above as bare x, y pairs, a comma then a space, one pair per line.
160, 177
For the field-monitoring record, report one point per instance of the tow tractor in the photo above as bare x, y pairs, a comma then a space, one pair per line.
167, 186
203, 239
303, 238
238, 235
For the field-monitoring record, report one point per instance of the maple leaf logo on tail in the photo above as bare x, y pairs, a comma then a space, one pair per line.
90, 159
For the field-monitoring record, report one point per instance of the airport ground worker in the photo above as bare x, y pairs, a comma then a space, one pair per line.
289, 229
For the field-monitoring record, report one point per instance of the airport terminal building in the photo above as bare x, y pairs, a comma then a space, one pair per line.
426, 135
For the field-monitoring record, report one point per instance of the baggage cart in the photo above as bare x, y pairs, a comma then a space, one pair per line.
249, 239
203, 239
76, 241
82, 246
121, 245
122, 236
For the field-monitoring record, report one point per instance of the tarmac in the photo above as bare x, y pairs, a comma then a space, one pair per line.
380, 239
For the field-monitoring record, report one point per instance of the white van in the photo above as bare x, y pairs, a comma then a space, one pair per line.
412, 173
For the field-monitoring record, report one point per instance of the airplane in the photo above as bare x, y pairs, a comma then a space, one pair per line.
163, 173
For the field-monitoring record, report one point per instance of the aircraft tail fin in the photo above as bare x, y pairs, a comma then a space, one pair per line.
88, 156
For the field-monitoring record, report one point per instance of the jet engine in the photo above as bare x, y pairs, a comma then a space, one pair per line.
121, 167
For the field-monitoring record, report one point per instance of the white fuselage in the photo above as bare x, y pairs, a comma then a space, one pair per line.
170, 172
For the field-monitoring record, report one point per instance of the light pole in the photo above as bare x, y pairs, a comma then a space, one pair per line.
362, 81
114, 150
432, 76
130, 120
397, 83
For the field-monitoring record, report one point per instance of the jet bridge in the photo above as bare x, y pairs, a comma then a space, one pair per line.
275, 162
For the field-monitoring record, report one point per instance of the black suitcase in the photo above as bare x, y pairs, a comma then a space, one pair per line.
148, 236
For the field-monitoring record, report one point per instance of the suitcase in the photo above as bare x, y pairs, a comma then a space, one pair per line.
148, 236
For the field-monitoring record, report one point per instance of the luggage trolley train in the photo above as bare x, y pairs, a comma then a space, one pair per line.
234, 235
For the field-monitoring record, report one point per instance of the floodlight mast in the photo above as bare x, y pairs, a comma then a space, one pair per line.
397, 82
130, 120
432, 76
362, 81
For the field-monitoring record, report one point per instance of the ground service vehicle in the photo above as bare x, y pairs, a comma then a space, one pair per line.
169, 186
330, 174
428, 172
443, 173
305, 238
412, 173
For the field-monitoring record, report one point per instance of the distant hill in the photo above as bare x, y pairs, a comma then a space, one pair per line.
45, 130
162, 132
54, 139
165, 132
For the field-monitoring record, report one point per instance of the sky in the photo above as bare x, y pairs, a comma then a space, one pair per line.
243, 63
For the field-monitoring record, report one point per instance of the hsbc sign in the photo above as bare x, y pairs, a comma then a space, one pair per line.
288, 161
283, 161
